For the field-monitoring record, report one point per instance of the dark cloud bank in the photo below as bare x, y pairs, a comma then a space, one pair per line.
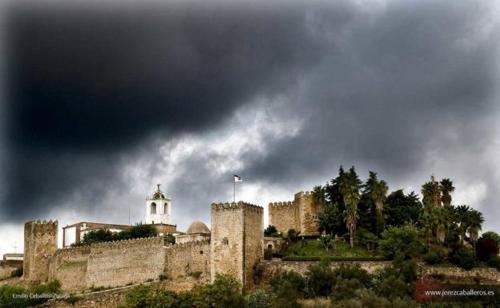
93, 87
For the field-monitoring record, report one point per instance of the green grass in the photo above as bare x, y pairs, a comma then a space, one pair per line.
313, 248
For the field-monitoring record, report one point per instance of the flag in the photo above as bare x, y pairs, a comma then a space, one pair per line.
237, 178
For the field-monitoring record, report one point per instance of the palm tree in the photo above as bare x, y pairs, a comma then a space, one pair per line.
475, 220
427, 222
377, 191
349, 185
462, 218
440, 221
431, 192
446, 187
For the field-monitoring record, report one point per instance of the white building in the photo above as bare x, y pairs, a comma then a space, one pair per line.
158, 208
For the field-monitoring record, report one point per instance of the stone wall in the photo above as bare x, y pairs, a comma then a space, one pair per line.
40, 244
270, 268
130, 261
486, 274
69, 266
236, 240
188, 259
284, 216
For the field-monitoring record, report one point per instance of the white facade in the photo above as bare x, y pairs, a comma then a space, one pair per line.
158, 208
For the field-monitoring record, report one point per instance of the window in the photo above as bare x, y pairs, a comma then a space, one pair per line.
201, 252
165, 208
225, 241
153, 208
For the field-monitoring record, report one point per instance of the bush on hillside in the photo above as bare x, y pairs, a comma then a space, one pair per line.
464, 259
402, 241
486, 248
319, 280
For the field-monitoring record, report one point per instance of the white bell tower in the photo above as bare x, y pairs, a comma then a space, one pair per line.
158, 208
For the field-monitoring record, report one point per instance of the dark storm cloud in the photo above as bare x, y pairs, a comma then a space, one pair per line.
90, 82
376, 85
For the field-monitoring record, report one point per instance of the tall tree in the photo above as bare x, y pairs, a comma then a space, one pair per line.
349, 185
377, 191
446, 187
431, 194
401, 209
462, 218
475, 221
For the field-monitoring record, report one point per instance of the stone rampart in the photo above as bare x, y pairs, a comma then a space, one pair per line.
119, 263
40, 244
188, 260
284, 216
69, 266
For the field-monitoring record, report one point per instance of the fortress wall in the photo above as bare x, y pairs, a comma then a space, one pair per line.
119, 263
69, 266
284, 216
188, 259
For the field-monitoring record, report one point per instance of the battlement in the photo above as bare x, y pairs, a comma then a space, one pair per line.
301, 194
236, 206
41, 226
281, 204
68, 251
146, 241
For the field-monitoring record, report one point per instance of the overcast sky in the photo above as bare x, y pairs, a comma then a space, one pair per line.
103, 100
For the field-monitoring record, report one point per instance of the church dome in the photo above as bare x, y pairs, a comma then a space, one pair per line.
197, 227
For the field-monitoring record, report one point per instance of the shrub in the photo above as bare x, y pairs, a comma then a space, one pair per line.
292, 235
368, 299
225, 291
259, 299
400, 240
492, 235
486, 248
319, 280
435, 256
288, 288
345, 289
464, 259
494, 262
8, 293
271, 231
18, 272
353, 272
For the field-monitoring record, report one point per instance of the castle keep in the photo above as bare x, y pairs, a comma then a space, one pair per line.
301, 214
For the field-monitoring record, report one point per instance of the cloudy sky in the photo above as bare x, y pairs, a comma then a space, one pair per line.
101, 100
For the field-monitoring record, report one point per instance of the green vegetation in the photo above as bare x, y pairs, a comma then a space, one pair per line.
137, 231
225, 291
18, 272
14, 296
316, 248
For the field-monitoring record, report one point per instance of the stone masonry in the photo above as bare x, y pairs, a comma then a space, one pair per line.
40, 244
301, 214
236, 240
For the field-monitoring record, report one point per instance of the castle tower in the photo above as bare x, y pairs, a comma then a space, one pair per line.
40, 244
158, 208
236, 244
309, 213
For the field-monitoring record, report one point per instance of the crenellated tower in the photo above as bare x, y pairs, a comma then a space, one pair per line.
237, 237
40, 244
